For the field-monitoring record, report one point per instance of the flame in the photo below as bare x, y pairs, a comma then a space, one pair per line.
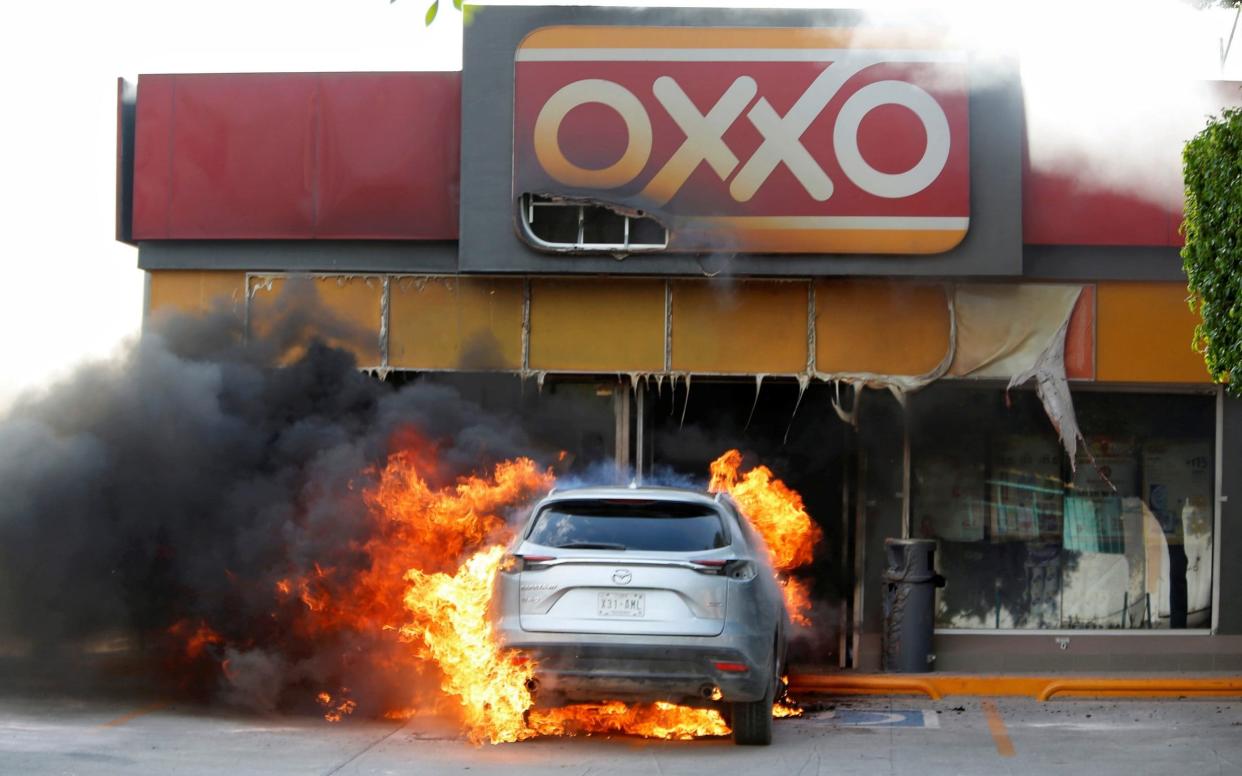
414, 526
448, 613
773, 507
336, 710
777, 513
452, 628
422, 595
797, 599
441, 525
195, 640
655, 720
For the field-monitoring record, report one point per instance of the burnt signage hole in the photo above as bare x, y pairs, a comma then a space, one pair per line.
555, 224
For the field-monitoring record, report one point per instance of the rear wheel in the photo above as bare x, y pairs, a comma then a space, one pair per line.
752, 721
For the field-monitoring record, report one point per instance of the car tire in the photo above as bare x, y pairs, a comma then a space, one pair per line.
752, 721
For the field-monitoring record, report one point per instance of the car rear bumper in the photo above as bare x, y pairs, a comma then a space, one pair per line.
597, 672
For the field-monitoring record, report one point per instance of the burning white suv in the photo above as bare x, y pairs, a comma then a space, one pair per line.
646, 594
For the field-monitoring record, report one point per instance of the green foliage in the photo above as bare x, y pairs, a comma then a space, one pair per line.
1212, 258
433, 9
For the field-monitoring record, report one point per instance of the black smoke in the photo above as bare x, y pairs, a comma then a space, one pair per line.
178, 482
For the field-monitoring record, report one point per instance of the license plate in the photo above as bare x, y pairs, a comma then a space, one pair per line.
622, 604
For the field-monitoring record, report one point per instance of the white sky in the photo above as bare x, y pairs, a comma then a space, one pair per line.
69, 291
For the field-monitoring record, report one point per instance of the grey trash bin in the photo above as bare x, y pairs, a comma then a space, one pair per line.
910, 583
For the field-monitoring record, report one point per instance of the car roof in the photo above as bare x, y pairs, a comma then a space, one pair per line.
633, 493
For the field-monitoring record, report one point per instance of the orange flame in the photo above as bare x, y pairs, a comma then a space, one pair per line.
797, 599
425, 592
452, 628
195, 638
777, 513
415, 526
335, 710
656, 720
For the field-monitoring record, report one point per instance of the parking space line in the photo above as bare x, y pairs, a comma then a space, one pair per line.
996, 726
124, 718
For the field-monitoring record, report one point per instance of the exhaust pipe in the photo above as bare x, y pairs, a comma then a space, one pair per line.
710, 692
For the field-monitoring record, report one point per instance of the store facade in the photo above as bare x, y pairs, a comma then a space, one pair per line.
821, 242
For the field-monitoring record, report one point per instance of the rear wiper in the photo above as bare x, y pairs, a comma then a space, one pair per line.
591, 546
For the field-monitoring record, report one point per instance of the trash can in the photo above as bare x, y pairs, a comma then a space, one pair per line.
910, 583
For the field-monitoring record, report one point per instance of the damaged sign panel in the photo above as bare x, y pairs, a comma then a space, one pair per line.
755, 140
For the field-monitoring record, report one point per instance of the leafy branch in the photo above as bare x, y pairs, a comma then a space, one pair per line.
1212, 256
433, 9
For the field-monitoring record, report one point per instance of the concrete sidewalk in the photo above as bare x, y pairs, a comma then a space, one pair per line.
864, 736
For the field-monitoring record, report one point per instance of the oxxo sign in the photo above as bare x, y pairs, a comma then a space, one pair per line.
759, 140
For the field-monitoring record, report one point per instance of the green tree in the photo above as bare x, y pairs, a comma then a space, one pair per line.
1212, 257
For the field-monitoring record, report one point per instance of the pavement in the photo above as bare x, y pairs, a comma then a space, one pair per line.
899, 735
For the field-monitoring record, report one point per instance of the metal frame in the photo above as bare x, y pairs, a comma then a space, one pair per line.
528, 202
621, 417
1073, 632
860, 555
1218, 502
640, 416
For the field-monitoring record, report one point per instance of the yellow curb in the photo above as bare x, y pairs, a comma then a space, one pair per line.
1040, 688
1149, 688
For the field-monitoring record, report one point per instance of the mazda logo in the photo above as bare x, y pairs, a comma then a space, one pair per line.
622, 576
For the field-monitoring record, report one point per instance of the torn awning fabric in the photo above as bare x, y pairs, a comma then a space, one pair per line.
1017, 332
1014, 332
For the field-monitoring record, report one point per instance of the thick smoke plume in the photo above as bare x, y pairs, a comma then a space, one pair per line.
175, 486
1112, 89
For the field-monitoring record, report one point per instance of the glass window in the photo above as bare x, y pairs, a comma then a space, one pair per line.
659, 526
1121, 539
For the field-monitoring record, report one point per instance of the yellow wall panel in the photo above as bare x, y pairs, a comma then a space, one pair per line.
744, 327
597, 325
1143, 333
455, 323
342, 310
880, 327
194, 291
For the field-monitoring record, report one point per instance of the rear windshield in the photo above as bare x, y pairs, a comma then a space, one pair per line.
660, 526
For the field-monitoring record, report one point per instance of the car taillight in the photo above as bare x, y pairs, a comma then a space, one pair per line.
742, 570
511, 564
730, 667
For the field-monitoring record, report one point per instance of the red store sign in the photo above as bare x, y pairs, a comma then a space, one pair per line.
752, 139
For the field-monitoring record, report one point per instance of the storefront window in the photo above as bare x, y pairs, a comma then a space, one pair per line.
1122, 539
